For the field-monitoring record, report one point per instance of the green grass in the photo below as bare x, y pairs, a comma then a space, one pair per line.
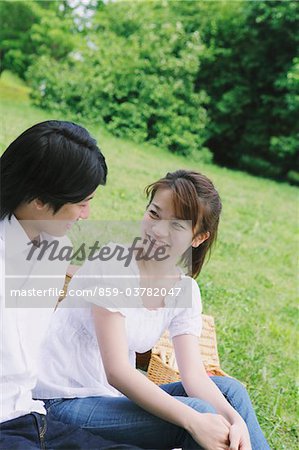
249, 283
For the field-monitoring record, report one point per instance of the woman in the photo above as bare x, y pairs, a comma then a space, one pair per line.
88, 375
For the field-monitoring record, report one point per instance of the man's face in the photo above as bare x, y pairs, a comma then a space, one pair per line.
59, 223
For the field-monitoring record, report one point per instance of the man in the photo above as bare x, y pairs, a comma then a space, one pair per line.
48, 177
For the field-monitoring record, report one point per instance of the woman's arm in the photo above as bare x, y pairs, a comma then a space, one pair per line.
209, 430
197, 384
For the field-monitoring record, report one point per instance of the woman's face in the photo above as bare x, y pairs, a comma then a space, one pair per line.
162, 229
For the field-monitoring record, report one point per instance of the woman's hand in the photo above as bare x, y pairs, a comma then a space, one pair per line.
238, 436
198, 385
214, 432
211, 431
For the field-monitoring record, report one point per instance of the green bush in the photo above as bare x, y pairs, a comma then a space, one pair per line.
293, 177
32, 29
199, 78
139, 88
251, 75
17, 19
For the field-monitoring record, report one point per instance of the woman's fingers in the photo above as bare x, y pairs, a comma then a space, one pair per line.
234, 438
239, 438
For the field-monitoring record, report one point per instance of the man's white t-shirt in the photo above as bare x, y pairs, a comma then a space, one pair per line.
28, 295
70, 361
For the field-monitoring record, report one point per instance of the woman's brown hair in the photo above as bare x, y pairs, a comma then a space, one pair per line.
195, 198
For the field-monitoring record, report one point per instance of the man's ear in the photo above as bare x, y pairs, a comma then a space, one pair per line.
38, 204
200, 239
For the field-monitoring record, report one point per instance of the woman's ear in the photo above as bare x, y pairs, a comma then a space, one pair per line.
199, 239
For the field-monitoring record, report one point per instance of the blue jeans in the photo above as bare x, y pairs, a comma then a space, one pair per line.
39, 432
120, 419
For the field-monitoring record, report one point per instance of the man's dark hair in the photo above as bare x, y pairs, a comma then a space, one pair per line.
55, 161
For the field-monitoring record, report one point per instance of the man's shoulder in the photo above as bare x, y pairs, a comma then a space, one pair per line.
1, 230
3, 223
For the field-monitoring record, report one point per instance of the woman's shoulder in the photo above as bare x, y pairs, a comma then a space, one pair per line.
184, 295
189, 285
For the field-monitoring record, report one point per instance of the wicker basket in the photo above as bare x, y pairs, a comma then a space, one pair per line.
163, 367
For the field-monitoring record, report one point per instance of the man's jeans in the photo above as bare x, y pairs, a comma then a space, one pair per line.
120, 419
39, 432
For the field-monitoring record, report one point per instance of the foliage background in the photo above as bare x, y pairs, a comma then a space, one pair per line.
218, 80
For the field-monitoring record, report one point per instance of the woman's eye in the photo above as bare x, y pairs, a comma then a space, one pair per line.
178, 225
153, 213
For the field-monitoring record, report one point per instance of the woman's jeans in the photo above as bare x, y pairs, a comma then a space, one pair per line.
120, 419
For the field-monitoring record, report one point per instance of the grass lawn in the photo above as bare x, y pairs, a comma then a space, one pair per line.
248, 285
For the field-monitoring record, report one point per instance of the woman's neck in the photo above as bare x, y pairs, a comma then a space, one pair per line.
152, 268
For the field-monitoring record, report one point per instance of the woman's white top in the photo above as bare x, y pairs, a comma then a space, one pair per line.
70, 362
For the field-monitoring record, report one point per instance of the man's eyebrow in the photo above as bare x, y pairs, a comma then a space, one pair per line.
88, 198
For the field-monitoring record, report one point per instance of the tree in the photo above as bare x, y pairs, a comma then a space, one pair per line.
17, 19
249, 75
31, 29
136, 76
194, 77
